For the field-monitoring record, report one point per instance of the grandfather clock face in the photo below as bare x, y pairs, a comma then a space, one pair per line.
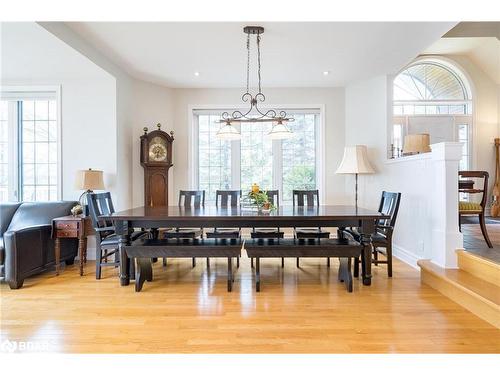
158, 149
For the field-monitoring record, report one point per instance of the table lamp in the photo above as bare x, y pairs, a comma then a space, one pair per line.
355, 161
88, 180
416, 144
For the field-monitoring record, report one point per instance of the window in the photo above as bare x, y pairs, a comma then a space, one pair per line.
214, 158
29, 147
299, 156
433, 97
273, 164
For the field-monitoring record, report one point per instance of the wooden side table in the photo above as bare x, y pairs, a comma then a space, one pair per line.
71, 227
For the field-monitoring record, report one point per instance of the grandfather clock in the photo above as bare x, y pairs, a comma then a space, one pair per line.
156, 159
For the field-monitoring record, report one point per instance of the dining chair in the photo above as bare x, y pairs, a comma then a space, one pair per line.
274, 199
309, 199
384, 228
189, 199
466, 208
225, 199
100, 204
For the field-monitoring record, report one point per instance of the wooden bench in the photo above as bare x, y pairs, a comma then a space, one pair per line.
344, 249
145, 249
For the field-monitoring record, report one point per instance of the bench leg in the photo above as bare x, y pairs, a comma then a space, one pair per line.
298, 263
164, 262
237, 262
144, 272
194, 262
251, 262
229, 274
356, 267
328, 262
282, 262
345, 274
208, 262
257, 274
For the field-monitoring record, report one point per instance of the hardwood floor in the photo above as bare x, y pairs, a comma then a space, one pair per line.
475, 243
186, 310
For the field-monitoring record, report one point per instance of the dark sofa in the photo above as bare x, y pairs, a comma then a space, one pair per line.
26, 244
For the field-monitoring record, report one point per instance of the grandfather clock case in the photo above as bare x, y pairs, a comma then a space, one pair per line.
156, 159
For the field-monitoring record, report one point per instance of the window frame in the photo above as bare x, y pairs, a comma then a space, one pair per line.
317, 109
468, 84
15, 93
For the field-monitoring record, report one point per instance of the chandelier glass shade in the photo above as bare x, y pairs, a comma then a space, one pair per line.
228, 132
280, 131
254, 113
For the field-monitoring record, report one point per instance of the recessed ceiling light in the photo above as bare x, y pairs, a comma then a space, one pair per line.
196, 74
326, 72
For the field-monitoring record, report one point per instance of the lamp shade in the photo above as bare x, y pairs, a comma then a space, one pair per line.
416, 143
280, 131
228, 132
89, 179
355, 161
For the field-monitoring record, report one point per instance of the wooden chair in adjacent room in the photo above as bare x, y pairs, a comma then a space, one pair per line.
308, 199
189, 199
266, 233
384, 228
101, 204
226, 199
472, 208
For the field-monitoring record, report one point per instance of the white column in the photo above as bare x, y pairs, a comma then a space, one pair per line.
446, 237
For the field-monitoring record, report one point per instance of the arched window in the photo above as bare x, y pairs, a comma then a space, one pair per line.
434, 97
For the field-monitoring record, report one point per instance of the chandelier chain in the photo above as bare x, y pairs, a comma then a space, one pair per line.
248, 62
258, 60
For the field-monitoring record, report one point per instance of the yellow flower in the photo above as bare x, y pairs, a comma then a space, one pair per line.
255, 188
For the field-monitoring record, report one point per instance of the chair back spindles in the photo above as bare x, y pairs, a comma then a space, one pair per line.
274, 197
389, 205
192, 198
100, 204
302, 198
227, 198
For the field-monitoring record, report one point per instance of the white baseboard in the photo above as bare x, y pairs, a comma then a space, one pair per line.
405, 256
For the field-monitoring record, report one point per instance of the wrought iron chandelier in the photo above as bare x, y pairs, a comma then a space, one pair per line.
279, 118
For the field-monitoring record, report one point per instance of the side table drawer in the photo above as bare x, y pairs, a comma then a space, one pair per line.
62, 233
67, 225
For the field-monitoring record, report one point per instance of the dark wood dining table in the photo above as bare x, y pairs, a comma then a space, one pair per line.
220, 217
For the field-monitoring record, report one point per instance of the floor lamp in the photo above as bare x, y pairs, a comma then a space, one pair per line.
355, 161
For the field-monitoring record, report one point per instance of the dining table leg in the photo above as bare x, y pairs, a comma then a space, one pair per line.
367, 229
121, 228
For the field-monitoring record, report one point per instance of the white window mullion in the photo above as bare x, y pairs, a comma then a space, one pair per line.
14, 188
236, 163
278, 168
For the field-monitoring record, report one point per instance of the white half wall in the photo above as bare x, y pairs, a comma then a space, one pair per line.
419, 178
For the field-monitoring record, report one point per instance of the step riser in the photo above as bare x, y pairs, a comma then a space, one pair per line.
478, 306
486, 270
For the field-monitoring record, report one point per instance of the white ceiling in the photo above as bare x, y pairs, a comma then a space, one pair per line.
483, 51
293, 54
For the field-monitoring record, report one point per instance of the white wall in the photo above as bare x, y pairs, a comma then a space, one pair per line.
486, 113
88, 107
152, 104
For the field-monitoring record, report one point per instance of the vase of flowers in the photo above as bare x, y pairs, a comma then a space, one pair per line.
260, 199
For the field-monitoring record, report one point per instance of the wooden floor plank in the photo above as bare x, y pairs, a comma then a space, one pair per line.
186, 310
